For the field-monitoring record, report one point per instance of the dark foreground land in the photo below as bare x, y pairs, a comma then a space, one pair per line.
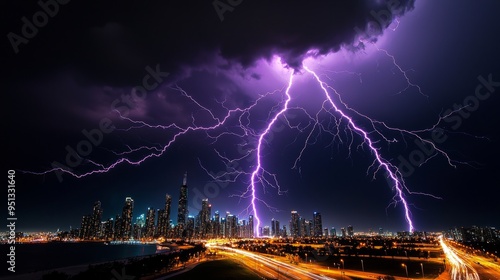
220, 269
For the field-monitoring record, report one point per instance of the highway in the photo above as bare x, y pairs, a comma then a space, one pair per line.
461, 265
467, 266
273, 267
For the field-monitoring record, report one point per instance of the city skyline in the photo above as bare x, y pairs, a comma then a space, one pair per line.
279, 217
297, 226
376, 114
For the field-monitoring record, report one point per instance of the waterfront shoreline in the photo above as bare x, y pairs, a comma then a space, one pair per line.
34, 258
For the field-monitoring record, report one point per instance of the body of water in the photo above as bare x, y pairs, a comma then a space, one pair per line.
43, 256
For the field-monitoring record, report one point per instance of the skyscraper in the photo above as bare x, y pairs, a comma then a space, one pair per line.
265, 231
183, 207
85, 227
231, 226
350, 231
275, 227
295, 225
163, 219
305, 227
126, 219
108, 229
118, 227
189, 228
150, 223
333, 232
250, 226
139, 227
168, 202
95, 226
204, 216
223, 227
216, 225
242, 229
317, 225
343, 233
161, 223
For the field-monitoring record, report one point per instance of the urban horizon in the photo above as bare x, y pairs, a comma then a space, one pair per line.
157, 220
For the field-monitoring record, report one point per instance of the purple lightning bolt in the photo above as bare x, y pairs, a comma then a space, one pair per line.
389, 168
255, 174
403, 72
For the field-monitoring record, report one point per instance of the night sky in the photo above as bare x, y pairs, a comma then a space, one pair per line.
83, 61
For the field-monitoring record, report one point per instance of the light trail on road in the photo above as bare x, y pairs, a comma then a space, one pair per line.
274, 264
460, 268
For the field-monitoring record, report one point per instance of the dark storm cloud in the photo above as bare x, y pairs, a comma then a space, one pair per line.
112, 42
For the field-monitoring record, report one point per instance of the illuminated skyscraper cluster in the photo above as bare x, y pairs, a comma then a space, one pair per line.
90, 227
301, 227
156, 223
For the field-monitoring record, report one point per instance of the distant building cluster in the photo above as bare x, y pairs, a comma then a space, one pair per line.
474, 234
156, 223
302, 227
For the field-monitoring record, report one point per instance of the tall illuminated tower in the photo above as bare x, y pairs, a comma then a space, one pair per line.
216, 225
164, 217
126, 220
85, 227
275, 227
182, 211
204, 216
250, 226
350, 231
95, 227
168, 202
295, 224
150, 222
317, 224
163, 224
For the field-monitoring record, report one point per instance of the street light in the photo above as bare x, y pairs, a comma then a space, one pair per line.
422, 267
406, 269
306, 257
362, 266
342, 261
